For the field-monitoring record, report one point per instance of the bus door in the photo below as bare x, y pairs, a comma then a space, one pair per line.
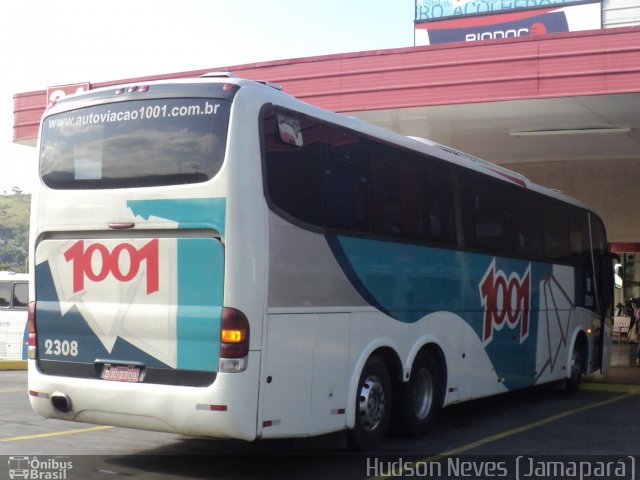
604, 278
606, 294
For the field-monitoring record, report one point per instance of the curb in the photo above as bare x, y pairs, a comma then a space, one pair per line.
13, 365
610, 387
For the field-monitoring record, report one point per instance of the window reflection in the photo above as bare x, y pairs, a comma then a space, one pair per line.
135, 144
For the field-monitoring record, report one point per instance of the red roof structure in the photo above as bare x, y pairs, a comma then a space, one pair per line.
558, 65
562, 109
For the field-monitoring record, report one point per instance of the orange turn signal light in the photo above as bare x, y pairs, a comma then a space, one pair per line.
232, 336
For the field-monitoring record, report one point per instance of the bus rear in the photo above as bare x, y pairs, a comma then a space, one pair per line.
129, 325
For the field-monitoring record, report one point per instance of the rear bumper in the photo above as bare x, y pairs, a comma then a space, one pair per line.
225, 409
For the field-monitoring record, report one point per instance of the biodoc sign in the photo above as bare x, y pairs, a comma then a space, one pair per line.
521, 23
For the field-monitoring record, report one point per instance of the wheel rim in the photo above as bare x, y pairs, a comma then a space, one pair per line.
422, 394
371, 404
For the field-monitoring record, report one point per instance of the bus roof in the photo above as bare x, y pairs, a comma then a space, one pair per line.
13, 276
418, 144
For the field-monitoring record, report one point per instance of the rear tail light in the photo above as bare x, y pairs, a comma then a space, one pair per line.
234, 340
31, 328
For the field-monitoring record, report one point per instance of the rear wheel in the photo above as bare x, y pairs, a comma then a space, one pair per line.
373, 406
421, 396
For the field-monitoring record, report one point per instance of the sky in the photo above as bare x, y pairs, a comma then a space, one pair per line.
56, 42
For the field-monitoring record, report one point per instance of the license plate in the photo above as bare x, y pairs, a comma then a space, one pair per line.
120, 373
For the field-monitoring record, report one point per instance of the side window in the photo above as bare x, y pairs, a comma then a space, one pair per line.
484, 215
525, 218
395, 191
346, 182
599, 236
293, 164
21, 295
410, 196
556, 245
436, 219
579, 244
5, 295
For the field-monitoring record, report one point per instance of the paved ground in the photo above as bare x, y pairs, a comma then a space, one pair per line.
623, 366
601, 419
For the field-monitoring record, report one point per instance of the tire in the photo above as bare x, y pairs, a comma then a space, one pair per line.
573, 382
421, 396
373, 406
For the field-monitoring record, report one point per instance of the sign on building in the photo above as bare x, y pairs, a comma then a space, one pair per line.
520, 23
56, 93
439, 9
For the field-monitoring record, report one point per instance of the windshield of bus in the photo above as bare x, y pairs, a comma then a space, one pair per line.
138, 143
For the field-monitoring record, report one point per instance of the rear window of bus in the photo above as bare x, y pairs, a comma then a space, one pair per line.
138, 143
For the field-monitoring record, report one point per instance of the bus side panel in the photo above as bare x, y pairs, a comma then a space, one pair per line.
306, 371
560, 319
498, 298
13, 326
469, 370
303, 271
525, 314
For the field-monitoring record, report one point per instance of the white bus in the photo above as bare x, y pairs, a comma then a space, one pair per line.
214, 257
14, 301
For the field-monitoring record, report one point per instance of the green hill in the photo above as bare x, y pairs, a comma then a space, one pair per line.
14, 232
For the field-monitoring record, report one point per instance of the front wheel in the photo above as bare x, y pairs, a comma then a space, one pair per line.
373, 406
573, 382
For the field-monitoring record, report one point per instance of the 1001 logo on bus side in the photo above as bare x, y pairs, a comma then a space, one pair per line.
505, 300
109, 263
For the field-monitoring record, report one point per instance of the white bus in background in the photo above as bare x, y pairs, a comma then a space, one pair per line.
214, 257
14, 300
